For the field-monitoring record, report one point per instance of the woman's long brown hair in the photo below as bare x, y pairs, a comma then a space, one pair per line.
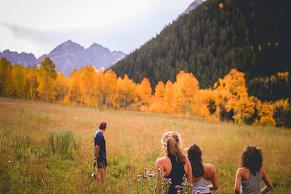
252, 158
172, 142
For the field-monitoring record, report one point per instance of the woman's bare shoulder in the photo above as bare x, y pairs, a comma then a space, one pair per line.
162, 159
209, 167
243, 172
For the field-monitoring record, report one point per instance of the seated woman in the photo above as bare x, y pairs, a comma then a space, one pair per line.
174, 164
250, 174
202, 173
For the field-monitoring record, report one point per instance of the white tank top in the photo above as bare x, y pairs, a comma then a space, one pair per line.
201, 186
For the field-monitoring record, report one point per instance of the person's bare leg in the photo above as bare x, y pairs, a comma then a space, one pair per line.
104, 175
100, 175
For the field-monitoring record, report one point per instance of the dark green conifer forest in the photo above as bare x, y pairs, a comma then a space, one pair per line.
252, 36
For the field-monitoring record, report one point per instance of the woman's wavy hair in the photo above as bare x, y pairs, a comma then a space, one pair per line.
172, 142
252, 158
195, 156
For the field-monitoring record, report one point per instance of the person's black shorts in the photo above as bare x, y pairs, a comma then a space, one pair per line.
101, 163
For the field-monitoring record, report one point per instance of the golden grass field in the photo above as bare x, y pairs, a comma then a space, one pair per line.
133, 143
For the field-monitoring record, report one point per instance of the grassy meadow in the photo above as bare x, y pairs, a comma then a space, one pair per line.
28, 165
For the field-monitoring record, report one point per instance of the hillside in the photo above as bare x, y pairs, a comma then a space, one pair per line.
252, 36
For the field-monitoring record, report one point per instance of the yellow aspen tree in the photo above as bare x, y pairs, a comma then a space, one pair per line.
207, 103
5, 74
89, 86
144, 92
110, 87
233, 96
282, 110
61, 87
186, 93
106, 87
157, 103
31, 83
18, 73
46, 76
265, 112
74, 91
126, 93
9, 85
169, 95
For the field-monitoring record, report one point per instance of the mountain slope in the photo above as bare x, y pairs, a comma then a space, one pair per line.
193, 5
67, 57
70, 55
26, 59
252, 36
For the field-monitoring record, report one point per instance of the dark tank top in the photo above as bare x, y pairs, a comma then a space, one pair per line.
177, 173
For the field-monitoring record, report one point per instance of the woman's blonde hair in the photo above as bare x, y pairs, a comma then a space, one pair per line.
172, 142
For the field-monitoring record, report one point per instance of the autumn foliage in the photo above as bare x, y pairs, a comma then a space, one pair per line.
227, 100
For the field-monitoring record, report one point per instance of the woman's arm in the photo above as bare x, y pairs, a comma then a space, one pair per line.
160, 174
214, 179
189, 171
237, 182
267, 181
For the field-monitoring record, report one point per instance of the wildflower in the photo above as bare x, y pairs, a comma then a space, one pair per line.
151, 175
178, 187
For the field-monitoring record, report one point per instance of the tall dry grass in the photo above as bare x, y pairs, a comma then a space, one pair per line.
28, 164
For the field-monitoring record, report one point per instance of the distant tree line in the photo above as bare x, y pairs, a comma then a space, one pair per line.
228, 100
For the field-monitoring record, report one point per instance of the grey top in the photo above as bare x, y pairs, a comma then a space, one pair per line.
252, 185
201, 186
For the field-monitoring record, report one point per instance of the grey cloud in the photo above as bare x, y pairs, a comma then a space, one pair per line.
34, 35
117, 39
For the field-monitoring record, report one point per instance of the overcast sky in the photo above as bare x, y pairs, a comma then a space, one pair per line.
38, 26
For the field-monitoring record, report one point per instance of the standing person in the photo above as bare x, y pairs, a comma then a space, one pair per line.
174, 164
100, 152
250, 174
203, 173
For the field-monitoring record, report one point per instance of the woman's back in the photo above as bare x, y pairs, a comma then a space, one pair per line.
202, 173
250, 183
174, 164
177, 173
250, 174
201, 184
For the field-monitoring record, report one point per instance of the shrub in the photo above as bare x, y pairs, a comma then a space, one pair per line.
282, 113
266, 115
63, 144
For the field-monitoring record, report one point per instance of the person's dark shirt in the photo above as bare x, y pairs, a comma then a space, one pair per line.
100, 141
